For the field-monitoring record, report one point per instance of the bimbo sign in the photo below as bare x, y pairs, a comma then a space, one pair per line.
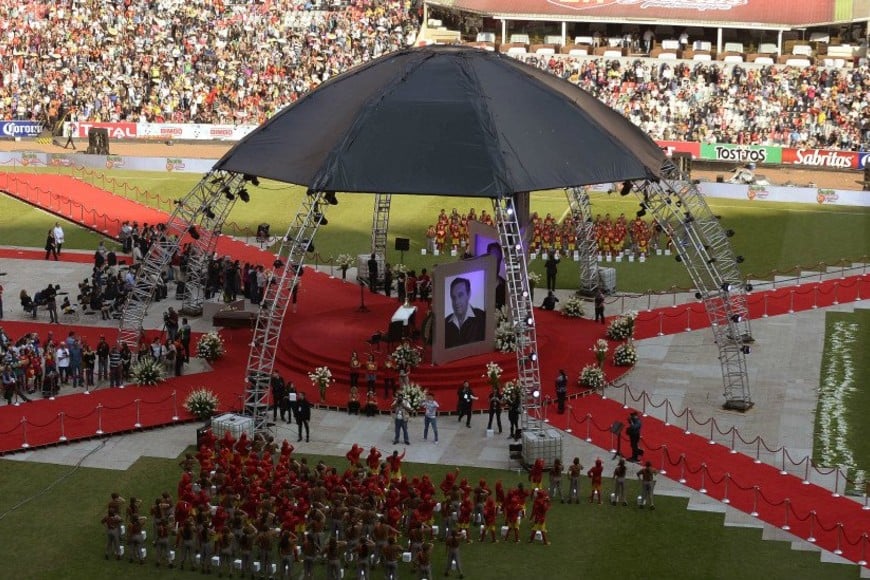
821, 158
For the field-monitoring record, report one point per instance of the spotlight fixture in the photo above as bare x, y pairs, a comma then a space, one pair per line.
330, 198
739, 259
228, 192
626, 188
729, 233
726, 287
678, 258
533, 356
244, 195
530, 321
306, 243
698, 295
208, 213
277, 263
193, 233
536, 394
641, 213
749, 287
745, 349
510, 211
689, 218
717, 216
178, 202
736, 318
711, 260
679, 203
253, 179
319, 218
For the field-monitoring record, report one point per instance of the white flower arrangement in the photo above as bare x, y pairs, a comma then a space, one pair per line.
513, 391
600, 349
622, 327
592, 377
344, 261
625, 355
406, 354
400, 268
321, 378
414, 394
493, 373
210, 346
147, 372
534, 278
505, 336
573, 308
202, 403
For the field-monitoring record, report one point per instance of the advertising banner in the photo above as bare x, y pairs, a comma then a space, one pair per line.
671, 147
821, 158
20, 129
116, 130
193, 132
741, 153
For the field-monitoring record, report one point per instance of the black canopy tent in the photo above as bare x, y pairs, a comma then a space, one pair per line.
446, 120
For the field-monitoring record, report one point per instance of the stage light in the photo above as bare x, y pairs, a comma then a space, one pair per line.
228, 192
641, 213
698, 296
193, 233
244, 195
178, 202
729, 233
736, 318
319, 218
510, 211
519, 247
678, 258
679, 203
536, 394
711, 260
306, 243
726, 287
208, 213
255, 181
330, 198
689, 218
533, 356
745, 349
740, 259
530, 321
525, 294
277, 264
626, 188
749, 287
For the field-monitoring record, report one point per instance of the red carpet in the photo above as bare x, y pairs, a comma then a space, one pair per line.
78, 201
835, 522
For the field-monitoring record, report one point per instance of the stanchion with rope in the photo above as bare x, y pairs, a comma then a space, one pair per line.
866, 507
644, 399
806, 480
815, 297
663, 469
733, 440
175, 406
811, 538
661, 324
836, 293
725, 498
588, 428
791, 301
667, 413
688, 319
839, 550
764, 315
787, 503
99, 419
62, 430
757, 459
625, 397
782, 470
863, 560
24, 444
138, 423
687, 431
703, 488
836, 483
712, 426
754, 512
682, 468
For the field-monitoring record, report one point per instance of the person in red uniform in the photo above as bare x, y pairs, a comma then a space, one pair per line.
595, 474
489, 514
395, 463
536, 474
540, 507
353, 456
373, 460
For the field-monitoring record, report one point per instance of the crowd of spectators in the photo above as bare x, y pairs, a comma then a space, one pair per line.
205, 61
810, 107
211, 61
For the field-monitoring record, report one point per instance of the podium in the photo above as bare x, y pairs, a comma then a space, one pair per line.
402, 324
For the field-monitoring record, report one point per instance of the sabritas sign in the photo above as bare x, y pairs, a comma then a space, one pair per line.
821, 158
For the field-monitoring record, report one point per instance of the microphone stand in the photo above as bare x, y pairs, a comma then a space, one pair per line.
362, 297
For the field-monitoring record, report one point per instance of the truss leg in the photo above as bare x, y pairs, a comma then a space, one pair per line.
280, 286
204, 199
587, 245
702, 245
521, 315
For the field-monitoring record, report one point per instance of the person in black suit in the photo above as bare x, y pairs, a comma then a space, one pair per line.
373, 274
467, 324
303, 415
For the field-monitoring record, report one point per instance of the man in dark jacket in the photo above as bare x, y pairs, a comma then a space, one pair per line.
303, 415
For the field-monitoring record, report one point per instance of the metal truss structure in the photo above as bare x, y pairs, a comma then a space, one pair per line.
584, 228
520, 311
701, 244
280, 286
197, 218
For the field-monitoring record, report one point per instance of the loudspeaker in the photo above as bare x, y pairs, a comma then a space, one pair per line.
720, 179
684, 162
403, 244
98, 141
867, 175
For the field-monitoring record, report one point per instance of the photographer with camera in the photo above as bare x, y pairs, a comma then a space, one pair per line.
401, 413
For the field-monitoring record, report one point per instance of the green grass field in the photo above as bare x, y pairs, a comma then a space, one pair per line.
842, 434
771, 236
57, 533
